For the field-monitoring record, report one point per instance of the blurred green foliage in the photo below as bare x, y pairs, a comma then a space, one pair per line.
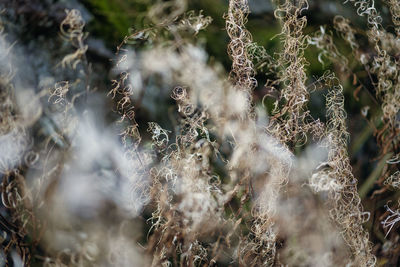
114, 18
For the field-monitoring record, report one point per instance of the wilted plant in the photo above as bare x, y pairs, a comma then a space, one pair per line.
220, 178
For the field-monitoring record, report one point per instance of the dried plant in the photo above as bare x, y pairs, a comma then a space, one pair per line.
214, 174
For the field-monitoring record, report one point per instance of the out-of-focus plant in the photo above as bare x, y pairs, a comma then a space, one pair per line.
226, 177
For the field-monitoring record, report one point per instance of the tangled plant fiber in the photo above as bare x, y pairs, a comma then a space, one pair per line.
219, 178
